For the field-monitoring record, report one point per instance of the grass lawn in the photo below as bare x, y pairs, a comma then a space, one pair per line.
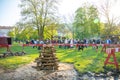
87, 60
13, 62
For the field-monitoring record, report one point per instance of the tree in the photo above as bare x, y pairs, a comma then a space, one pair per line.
23, 31
51, 31
39, 13
62, 30
17, 30
69, 25
110, 19
86, 22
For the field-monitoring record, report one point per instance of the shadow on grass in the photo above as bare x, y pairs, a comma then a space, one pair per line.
86, 60
67, 55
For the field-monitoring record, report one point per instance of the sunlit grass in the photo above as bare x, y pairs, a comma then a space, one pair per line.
86, 60
16, 61
13, 62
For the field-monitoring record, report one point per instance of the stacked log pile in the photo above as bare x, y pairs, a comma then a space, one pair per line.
9, 53
47, 59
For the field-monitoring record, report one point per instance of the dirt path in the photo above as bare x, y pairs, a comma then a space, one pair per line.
27, 72
65, 72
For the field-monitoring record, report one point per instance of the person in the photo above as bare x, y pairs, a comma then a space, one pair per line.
32, 41
35, 42
71, 43
60, 42
41, 42
66, 42
85, 43
27, 42
108, 41
80, 45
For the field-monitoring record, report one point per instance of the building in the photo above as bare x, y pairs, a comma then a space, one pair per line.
4, 30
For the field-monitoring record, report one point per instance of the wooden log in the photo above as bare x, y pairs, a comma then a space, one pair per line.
1, 55
48, 58
56, 60
5, 55
48, 55
48, 68
49, 64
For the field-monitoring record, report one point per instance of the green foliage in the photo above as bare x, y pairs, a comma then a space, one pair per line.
86, 22
50, 31
23, 33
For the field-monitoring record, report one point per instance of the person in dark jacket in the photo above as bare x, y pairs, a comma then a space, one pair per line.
80, 46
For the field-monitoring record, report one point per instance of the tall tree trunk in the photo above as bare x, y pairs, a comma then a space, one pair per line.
41, 33
41, 36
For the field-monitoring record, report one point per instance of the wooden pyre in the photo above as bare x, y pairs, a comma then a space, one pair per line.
47, 59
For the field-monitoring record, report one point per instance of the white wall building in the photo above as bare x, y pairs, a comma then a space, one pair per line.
4, 30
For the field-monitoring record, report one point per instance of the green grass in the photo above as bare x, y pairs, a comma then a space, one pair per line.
13, 62
87, 60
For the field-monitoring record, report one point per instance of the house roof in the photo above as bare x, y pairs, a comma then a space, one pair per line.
6, 27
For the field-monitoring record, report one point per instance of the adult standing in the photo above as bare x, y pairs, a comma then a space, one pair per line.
71, 43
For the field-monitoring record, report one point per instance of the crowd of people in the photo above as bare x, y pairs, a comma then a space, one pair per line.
69, 43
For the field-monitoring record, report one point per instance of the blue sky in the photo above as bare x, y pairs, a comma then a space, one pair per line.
9, 12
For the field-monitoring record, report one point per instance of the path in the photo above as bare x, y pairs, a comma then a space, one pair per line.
65, 71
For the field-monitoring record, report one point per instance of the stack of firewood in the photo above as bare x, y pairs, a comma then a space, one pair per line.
47, 59
9, 53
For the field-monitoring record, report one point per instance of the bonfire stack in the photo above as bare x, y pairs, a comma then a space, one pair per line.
47, 59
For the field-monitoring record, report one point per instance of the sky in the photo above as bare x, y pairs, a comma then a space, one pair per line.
10, 12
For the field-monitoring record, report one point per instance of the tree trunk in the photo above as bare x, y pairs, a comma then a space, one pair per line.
41, 33
41, 36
